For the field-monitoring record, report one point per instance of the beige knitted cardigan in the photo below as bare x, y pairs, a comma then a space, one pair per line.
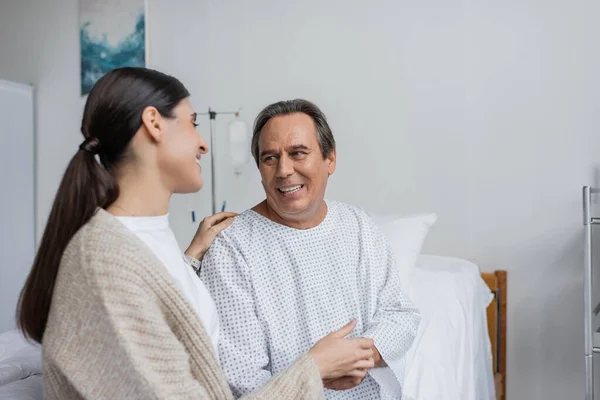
119, 329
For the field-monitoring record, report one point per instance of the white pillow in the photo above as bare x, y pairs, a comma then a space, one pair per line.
405, 236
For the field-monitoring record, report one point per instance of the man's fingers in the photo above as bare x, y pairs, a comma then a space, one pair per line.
338, 384
343, 383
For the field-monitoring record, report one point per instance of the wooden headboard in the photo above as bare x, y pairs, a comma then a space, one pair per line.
496, 317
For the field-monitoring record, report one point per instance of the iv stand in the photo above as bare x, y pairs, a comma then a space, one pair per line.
213, 116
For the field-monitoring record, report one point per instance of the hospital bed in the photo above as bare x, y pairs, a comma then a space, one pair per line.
459, 352
460, 349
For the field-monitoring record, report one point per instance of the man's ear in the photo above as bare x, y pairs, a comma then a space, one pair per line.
153, 122
331, 160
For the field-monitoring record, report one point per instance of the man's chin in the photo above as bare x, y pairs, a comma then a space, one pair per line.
291, 210
289, 206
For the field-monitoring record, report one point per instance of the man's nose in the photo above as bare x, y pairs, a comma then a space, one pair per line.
285, 167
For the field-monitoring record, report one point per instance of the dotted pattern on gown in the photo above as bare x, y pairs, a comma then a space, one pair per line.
279, 290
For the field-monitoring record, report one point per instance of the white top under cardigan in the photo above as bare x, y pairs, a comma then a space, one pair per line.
156, 233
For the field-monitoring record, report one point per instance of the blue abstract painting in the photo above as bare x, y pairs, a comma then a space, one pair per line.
112, 35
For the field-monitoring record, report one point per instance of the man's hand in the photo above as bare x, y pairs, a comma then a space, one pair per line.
379, 362
343, 383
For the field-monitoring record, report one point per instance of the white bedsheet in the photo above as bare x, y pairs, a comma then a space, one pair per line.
19, 358
451, 357
20, 368
31, 388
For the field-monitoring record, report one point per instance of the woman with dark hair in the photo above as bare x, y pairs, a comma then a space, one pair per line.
118, 311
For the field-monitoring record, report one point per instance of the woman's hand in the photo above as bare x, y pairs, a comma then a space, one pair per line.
207, 232
339, 357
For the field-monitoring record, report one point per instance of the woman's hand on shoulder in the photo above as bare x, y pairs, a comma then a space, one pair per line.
208, 230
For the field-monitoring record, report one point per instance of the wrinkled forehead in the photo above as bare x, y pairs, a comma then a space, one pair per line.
289, 130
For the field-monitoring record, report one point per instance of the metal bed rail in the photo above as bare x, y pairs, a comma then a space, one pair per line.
591, 311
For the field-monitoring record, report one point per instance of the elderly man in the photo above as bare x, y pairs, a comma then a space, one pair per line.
296, 267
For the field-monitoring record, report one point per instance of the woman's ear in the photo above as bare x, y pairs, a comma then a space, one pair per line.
153, 122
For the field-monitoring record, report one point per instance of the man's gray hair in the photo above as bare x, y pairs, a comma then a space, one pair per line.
324, 134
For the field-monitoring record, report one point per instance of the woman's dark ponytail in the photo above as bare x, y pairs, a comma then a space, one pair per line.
85, 186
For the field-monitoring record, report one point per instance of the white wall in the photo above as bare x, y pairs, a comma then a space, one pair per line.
17, 212
39, 44
483, 112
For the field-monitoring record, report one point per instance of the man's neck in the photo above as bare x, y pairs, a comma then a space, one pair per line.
305, 220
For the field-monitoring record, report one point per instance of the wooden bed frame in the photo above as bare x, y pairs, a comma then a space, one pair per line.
496, 318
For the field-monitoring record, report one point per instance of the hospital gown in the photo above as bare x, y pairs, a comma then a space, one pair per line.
279, 290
